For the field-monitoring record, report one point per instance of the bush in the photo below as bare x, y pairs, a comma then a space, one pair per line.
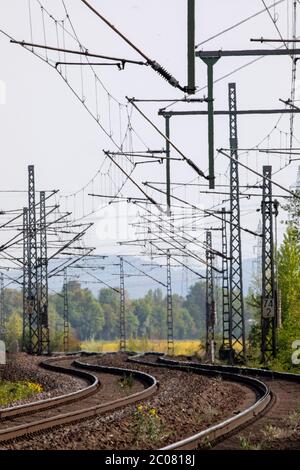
15, 391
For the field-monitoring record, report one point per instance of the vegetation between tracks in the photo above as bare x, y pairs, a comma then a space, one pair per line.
148, 424
279, 436
182, 347
11, 392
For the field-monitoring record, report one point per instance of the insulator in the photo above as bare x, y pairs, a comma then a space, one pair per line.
165, 74
194, 166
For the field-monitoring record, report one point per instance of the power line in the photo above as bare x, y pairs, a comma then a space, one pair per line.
235, 25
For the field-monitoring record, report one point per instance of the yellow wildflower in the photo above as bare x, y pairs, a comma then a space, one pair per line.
33, 387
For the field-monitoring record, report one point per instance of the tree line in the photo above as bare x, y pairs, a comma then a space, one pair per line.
97, 317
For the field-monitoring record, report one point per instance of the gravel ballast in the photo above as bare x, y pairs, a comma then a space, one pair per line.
185, 404
21, 367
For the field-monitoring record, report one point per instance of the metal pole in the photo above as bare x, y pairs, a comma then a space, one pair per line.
44, 338
191, 88
226, 351
32, 302
222, 112
122, 307
170, 324
210, 62
210, 301
236, 296
247, 53
66, 312
26, 322
2, 313
268, 304
168, 165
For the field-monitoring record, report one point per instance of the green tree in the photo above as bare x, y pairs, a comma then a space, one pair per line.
292, 206
289, 274
132, 324
13, 330
85, 312
289, 284
110, 303
184, 326
195, 303
142, 309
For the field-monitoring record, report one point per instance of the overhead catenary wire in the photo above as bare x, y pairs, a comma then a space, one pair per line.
236, 25
151, 193
144, 273
184, 157
69, 51
153, 64
274, 22
259, 174
208, 212
69, 85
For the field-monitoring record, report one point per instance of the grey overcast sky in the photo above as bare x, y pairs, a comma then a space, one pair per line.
41, 121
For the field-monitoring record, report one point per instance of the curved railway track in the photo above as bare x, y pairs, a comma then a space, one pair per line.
274, 392
95, 398
264, 398
283, 391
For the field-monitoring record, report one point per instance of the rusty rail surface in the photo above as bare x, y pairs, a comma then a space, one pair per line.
221, 429
31, 426
21, 410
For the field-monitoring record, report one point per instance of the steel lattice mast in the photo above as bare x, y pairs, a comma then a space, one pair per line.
32, 299
66, 312
226, 348
26, 319
236, 297
268, 308
210, 301
122, 307
2, 313
170, 325
44, 339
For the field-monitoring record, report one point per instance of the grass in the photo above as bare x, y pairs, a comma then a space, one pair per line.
148, 425
126, 382
182, 347
11, 392
269, 436
246, 444
272, 433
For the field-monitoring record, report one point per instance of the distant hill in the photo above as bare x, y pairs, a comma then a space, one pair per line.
136, 284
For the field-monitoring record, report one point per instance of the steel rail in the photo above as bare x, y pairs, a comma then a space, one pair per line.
63, 418
270, 374
221, 429
21, 410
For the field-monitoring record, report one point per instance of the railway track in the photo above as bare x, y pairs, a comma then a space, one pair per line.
277, 396
94, 399
264, 398
274, 395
